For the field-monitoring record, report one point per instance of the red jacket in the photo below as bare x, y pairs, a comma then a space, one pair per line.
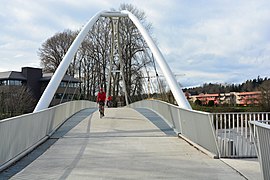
101, 96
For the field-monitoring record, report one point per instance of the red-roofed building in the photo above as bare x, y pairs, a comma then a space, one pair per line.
235, 98
248, 98
205, 98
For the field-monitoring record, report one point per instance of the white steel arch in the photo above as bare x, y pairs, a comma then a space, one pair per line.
49, 92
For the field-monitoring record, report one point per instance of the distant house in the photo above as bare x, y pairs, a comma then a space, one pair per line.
248, 98
205, 98
233, 98
36, 81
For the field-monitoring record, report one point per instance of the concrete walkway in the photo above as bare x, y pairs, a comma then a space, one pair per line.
122, 145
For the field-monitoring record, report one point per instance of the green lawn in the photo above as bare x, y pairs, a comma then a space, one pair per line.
217, 109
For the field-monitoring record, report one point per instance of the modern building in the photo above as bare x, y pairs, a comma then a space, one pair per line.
36, 81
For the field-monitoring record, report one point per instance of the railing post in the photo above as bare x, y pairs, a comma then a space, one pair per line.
263, 134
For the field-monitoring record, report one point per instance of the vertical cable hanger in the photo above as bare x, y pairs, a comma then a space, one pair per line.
121, 62
111, 59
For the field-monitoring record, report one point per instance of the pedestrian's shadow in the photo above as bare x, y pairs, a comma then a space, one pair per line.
157, 121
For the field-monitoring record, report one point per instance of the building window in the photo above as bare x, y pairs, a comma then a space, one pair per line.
68, 84
3, 82
58, 95
10, 83
73, 85
63, 84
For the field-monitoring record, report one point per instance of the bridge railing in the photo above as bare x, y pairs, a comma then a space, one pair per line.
262, 131
195, 126
234, 135
19, 135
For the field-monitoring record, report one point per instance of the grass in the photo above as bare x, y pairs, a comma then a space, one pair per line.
221, 109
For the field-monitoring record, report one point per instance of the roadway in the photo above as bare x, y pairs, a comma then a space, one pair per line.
122, 145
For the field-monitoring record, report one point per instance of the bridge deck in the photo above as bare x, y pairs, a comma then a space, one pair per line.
122, 145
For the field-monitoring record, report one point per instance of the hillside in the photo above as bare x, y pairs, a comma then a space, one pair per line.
248, 86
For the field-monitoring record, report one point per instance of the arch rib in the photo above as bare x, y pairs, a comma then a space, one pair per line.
50, 90
175, 88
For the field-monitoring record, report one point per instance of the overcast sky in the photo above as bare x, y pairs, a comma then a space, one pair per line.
217, 41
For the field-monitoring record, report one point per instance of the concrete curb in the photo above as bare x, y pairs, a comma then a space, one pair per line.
200, 148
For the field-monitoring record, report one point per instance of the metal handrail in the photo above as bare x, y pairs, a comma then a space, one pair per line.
195, 126
262, 131
19, 135
234, 134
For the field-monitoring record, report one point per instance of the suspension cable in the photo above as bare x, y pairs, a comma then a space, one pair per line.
72, 98
162, 90
65, 89
111, 59
121, 64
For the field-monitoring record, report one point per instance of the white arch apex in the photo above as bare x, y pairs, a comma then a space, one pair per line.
50, 90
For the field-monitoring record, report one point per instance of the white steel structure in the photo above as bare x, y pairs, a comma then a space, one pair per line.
49, 92
262, 131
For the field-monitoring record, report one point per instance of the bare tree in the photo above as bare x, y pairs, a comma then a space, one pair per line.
91, 62
133, 47
265, 95
54, 49
16, 100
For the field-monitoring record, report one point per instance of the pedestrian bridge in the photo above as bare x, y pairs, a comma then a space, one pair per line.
146, 140
70, 141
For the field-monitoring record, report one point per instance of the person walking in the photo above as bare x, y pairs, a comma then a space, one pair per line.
109, 101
